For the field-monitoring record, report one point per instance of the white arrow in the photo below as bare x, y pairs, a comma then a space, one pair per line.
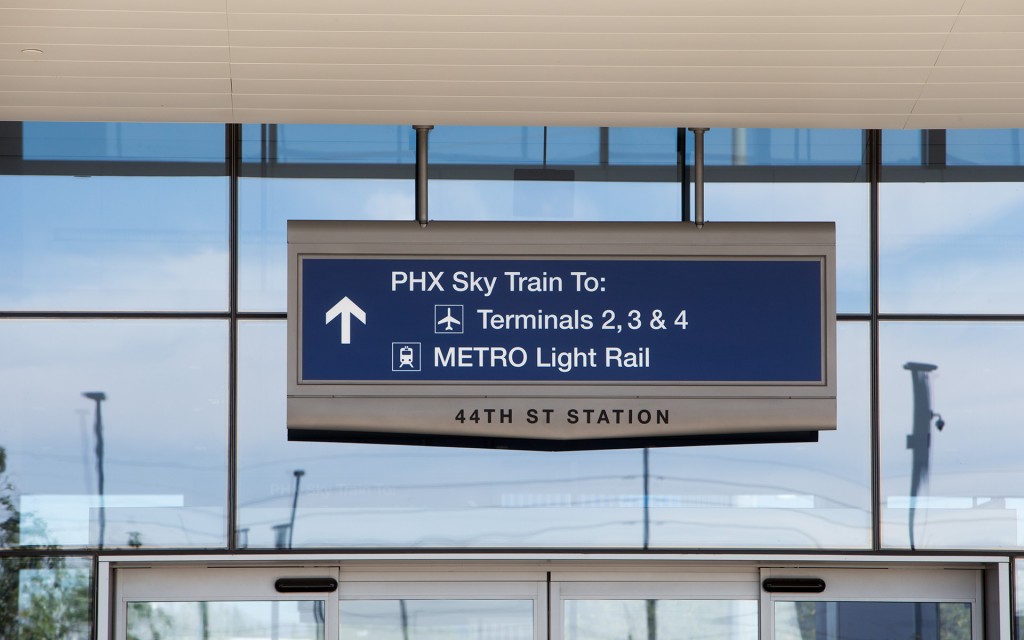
346, 309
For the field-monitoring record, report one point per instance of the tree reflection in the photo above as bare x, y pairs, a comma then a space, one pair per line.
40, 598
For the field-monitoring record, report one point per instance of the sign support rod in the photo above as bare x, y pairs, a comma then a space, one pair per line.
422, 133
698, 175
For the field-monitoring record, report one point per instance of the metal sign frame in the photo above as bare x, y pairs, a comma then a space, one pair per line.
423, 412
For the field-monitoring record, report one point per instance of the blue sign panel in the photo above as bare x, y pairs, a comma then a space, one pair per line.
573, 320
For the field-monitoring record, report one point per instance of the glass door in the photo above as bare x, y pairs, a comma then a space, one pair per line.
323, 603
572, 601
658, 605
854, 604
226, 604
432, 610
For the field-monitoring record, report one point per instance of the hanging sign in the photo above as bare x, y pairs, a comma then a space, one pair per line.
560, 336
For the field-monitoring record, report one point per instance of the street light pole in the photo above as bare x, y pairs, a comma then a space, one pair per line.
98, 397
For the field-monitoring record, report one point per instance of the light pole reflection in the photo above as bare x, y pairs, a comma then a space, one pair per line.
295, 503
98, 397
919, 440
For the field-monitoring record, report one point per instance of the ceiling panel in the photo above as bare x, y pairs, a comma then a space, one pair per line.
814, 24
62, 83
607, 7
113, 52
979, 90
716, 90
588, 41
116, 69
63, 36
592, 57
805, 63
112, 19
908, 76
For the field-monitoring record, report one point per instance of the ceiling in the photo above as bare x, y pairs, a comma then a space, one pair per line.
890, 64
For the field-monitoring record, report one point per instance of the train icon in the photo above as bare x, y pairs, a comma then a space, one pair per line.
405, 356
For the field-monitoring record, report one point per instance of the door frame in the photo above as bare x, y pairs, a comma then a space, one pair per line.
963, 584
569, 573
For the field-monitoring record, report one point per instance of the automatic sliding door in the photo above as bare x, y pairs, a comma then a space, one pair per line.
442, 611
875, 603
222, 604
705, 606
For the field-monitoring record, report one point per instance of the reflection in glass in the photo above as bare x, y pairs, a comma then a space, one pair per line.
661, 619
810, 495
560, 200
781, 147
135, 141
389, 496
1019, 597
958, 486
845, 204
266, 205
985, 147
951, 247
436, 620
647, 145
487, 145
344, 144
102, 243
859, 620
573, 145
295, 620
160, 434
902, 147
43, 597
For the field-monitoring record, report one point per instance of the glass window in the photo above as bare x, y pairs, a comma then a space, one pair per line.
902, 147
1019, 599
134, 141
114, 432
950, 418
45, 597
396, 496
555, 196
440, 619
857, 620
266, 205
342, 144
643, 146
104, 243
846, 204
573, 145
811, 495
951, 247
985, 147
666, 619
487, 145
295, 620
780, 147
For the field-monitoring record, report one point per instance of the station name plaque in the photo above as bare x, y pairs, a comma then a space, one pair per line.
560, 335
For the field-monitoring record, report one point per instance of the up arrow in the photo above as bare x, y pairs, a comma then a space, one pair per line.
346, 309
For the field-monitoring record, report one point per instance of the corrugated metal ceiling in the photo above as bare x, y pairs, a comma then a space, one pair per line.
744, 63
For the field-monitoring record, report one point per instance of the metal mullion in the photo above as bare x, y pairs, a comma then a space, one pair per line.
874, 162
113, 315
950, 317
234, 142
683, 175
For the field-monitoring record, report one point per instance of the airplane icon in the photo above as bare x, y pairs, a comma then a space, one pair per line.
448, 321
451, 322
